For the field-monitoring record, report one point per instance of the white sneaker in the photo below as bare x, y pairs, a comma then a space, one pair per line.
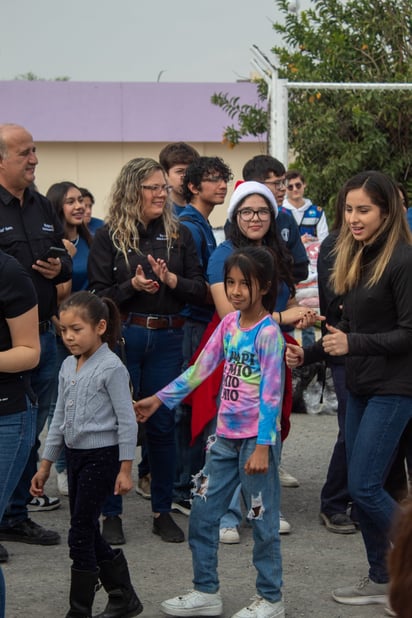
194, 603
261, 608
62, 483
230, 536
284, 526
286, 479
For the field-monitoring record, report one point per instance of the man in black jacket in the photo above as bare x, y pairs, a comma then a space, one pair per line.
29, 227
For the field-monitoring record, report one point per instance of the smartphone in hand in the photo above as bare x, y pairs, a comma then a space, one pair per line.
53, 252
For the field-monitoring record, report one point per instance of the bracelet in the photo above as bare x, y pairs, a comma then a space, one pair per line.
280, 317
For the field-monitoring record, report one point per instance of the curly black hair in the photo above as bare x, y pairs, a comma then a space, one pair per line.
201, 168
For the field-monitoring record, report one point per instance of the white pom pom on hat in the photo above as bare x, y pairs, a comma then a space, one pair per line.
250, 187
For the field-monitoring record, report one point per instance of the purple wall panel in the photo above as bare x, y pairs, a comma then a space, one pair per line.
119, 112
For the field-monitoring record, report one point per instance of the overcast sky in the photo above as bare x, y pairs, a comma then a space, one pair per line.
134, 40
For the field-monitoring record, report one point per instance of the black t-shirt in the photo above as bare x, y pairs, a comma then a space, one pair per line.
17, 297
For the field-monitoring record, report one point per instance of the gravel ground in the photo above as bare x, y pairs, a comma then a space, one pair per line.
314, 560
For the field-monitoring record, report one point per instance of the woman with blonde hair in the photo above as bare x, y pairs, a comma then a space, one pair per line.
147, 263
372, 273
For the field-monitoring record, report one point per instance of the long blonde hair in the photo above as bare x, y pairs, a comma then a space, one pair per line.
126, 204
383, 192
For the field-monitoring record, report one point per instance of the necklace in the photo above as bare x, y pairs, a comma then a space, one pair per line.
252, 321
75, 242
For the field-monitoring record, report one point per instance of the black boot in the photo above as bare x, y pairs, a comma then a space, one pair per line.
123, 601
82, 590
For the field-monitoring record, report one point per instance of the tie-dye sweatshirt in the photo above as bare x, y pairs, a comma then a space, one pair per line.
251, 391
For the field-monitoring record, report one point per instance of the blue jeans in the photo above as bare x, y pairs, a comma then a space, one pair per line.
214, 487
41, 382
16, 440
113, 505
374, 426
154, 358
308, 336
189, 459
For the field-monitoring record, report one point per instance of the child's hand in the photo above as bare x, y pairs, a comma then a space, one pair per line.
123, 484
146, 407
258, 462
294, 355
39, 479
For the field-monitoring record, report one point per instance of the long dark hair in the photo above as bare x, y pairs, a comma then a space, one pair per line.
256, 264
93, 309
272, 240
56, 195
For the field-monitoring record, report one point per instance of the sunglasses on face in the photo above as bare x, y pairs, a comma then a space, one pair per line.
297, 185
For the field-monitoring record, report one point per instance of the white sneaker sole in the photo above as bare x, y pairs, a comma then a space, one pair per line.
379, 599
191, 611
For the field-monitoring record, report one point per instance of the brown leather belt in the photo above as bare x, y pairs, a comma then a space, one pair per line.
154, 322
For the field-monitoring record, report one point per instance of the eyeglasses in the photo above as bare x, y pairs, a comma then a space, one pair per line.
297, 185
216, 179
247, 214
157, 188
278, 184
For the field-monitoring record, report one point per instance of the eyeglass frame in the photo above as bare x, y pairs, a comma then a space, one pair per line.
157, 188
217, 178
277, 183
254, 212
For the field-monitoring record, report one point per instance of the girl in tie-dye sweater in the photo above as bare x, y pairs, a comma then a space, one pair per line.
247, 443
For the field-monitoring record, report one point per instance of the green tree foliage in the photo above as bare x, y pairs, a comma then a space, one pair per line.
335, 134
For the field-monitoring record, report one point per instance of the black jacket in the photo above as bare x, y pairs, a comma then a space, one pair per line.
26, 233
378, 322
110, 275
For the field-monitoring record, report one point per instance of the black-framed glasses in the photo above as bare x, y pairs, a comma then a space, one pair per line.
297, 185
157, 188
216, 179
278, 184
247, 214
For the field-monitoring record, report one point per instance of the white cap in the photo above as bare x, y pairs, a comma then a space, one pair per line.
250, 187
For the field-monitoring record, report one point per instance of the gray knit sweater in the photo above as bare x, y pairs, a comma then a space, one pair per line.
94, 407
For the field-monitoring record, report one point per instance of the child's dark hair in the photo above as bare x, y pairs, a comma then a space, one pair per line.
256, 263
93, 309
201, 167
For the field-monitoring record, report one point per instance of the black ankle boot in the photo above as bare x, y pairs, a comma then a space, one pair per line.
82, 590
123, 600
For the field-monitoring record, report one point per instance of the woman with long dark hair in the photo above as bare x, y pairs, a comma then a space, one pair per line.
372, 274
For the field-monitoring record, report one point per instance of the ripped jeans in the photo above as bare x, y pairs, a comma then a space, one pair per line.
213, 491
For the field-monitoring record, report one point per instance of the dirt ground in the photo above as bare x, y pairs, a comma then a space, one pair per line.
314, 560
